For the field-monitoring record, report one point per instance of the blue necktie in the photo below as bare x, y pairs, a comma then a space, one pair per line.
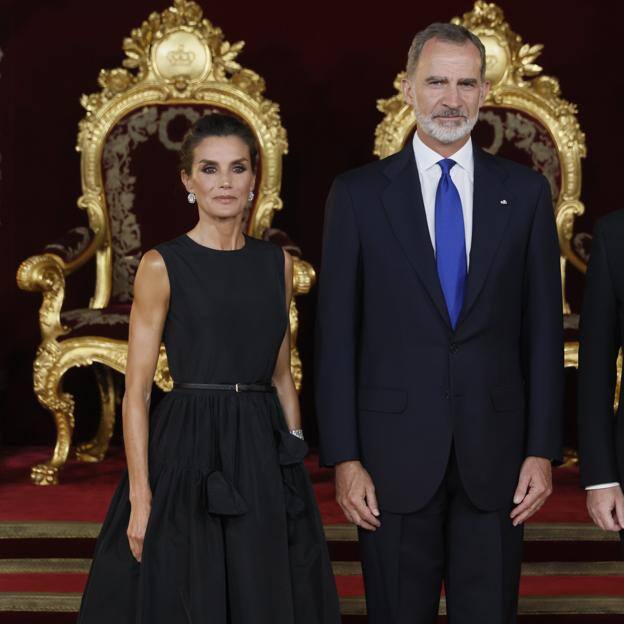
450, 241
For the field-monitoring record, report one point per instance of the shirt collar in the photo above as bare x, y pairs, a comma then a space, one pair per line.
427, 158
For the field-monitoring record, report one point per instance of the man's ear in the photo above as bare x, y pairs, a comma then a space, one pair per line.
408, 91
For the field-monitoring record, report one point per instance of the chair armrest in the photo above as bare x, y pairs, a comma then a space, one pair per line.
73, 247
304, 277
279, 237
46, 273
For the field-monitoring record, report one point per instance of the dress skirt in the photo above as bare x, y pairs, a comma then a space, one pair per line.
234, 534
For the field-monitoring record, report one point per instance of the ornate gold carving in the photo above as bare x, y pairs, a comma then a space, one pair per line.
46, 274
304, 276
516, 84
295, 360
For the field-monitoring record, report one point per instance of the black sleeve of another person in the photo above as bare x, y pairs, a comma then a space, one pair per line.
599, 345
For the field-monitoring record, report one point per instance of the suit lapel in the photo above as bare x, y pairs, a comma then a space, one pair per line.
490, 218
405, 210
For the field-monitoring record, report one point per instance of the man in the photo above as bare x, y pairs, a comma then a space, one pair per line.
601, 435
439, 352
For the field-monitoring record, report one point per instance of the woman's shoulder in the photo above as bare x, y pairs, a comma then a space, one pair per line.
262, 246
171, 244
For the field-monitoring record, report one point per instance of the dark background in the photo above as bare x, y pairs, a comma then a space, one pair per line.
325, 63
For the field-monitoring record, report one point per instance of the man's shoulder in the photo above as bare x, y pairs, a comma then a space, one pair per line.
611, 228
612, 222
366, 175
515, 171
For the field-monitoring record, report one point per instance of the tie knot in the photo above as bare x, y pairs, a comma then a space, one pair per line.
446, 164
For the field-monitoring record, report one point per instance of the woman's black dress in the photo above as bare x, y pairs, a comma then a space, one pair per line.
234, 535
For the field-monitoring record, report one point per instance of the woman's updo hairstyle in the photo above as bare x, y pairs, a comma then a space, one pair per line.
220, 125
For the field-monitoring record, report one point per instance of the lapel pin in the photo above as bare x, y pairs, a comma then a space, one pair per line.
503, 201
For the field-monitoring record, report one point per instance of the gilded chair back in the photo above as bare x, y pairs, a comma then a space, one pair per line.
178, 66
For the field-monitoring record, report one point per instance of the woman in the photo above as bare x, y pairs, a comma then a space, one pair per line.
215, 520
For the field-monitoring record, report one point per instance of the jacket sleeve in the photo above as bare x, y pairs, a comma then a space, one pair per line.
337, 330
599, 345
543, 334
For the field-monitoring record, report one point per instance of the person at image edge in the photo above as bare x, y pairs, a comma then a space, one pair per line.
601, 435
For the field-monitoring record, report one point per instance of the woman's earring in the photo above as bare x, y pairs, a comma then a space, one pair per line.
251, 196
191, 198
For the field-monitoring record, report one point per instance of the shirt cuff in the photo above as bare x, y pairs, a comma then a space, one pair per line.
601, 486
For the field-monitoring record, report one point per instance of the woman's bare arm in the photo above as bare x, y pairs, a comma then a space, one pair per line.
147, 319
282, 377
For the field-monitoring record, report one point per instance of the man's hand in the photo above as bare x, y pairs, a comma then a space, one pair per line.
606, 508
355, 494
534, 487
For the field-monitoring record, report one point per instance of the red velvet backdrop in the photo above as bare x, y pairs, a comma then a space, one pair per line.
326, 63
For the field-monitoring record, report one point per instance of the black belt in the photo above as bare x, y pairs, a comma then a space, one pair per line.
239, 387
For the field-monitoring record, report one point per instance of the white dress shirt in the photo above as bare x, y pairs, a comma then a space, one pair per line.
602, 486
462, 174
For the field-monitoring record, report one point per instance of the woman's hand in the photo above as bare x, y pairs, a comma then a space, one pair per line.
139, 515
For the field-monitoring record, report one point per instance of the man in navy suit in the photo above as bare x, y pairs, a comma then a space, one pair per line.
601, 435
439, 352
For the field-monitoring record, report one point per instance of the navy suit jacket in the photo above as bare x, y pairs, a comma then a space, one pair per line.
395, 385
601, 435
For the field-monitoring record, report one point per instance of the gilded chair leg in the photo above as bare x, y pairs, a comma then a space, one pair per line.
95, 449
47, 382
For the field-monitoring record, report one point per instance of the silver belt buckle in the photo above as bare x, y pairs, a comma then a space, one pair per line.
236, 387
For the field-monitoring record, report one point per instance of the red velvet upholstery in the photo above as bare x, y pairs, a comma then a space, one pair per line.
109, 322
521, 138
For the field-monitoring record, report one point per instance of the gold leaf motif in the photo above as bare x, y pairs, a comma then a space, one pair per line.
115, 80
250, 82
531, 69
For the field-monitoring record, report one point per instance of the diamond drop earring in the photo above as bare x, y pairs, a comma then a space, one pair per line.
191, 198
251, 196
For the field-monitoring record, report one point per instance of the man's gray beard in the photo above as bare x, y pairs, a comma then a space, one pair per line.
445, 134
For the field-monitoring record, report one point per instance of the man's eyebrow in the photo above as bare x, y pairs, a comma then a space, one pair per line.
463, 81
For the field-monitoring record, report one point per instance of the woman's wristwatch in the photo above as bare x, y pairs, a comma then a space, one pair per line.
297, 432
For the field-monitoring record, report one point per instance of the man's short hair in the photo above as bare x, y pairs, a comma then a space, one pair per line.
443, 31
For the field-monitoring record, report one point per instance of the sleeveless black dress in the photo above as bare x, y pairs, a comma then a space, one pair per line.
234, 535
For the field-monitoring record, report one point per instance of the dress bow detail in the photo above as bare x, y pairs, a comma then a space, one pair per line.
221, 497
290, 449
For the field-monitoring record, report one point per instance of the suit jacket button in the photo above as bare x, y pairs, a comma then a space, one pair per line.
453, 347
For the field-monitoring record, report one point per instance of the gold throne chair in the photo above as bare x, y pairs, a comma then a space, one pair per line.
178, 66
525, 119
